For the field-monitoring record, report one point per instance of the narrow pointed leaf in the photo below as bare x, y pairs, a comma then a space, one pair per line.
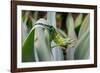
42, 44
78, 20
43, 50
82, 47
57, 54
83, 44
28, 48
71, 33
51, 18
84, 25
70, 26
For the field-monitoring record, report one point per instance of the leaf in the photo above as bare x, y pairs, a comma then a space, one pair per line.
34, 17
82, 47
78, 20
84, 25
38, 50
70, 26
42, 48
42, 45
57, 53
71, 34
28, 41
28, 48
24, 31
25, 16
83, 44
23, 25
51, 18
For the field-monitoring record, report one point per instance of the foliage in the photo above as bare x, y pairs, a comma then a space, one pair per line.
46, 42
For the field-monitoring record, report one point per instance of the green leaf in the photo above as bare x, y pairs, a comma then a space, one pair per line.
42, 45
37, 49
70, 26
84, 25
28, 48
34, 17
82, 47
71, 34
57, 54
23, 25
51, 18
25, 16
83, 44
78, 20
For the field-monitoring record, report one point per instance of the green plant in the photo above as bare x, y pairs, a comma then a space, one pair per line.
45, 42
